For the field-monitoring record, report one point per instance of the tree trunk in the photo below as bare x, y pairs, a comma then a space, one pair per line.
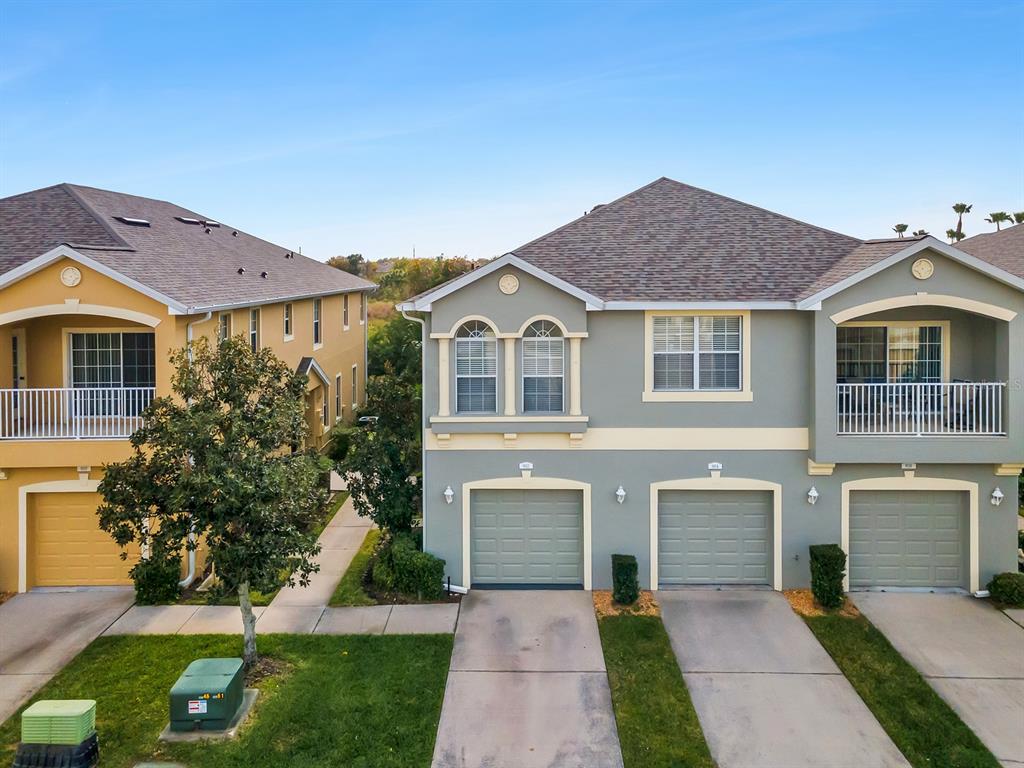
248, 625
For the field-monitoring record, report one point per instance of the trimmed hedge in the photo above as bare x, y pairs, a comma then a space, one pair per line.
1008, 589
156, 580
828, 564
402, 567
625, 579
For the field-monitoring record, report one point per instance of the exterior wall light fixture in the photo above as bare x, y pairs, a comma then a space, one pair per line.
620, 494
812, 496
449, 495
997, 497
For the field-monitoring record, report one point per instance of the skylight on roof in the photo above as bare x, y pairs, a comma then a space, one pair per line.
187, 220
133, 222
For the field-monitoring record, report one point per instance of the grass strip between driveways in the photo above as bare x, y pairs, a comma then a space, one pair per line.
357, 701
924, 727
657, 724
350, 589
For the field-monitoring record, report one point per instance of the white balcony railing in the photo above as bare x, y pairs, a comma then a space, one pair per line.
69, 414
959, 408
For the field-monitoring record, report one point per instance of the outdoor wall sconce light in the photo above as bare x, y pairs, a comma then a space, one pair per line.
997, 497
812, 496
449, 495
620, 494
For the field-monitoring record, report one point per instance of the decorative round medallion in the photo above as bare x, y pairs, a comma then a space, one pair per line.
70, 276
508, 284
922, 269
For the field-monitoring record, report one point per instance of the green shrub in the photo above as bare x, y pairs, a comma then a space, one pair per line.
156, 580
828, 563
402, 567
1008, 589
341, 441
625, 579
1020, 539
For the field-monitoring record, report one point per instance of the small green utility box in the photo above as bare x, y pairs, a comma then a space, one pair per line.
68, 722
207, 695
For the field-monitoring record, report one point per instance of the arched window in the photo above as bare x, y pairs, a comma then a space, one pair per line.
476, 369
543, 368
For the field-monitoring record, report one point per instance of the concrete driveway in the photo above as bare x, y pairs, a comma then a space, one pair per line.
41, 631
527, 686
969, 652
766, 693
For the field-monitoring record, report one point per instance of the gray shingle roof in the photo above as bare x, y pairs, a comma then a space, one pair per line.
1004, 249
180, 260
669, 241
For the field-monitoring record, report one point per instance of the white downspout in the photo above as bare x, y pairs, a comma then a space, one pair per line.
423, 414
191, 575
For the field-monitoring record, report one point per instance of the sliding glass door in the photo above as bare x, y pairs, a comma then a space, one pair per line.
102, 362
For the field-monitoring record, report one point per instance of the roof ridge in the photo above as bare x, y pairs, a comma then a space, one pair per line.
70, 190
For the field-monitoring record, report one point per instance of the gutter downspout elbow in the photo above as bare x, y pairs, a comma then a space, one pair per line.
190, 576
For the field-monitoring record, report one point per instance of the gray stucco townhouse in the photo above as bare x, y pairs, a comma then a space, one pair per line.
713, 387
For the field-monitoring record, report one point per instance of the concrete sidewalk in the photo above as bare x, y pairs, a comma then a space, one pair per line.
42, 630
766, 693
969, 652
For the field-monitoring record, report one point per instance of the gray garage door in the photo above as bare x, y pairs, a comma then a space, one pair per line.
526, 537
908, 539
714, 537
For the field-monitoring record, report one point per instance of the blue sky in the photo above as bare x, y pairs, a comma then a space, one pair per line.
470, 128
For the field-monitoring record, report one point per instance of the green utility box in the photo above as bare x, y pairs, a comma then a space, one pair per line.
207, 695
67, 722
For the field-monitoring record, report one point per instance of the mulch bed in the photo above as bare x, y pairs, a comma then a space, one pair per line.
266, 666
383, 597
803, 602
645, 605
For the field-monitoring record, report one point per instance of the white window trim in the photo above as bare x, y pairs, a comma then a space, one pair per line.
355, 385
66, 333
318, 324
338, 404
363, 308
494, 376
744, 394
344, 312
220, 319
288, 318
259, 327
325, 407
946, 338
523, 377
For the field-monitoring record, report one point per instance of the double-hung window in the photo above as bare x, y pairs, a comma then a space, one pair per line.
254, 329
287, 321
543, 368
344, 311
476, 369
355, 386
362, 308
337, 397
697, 353
224, 327
317, 307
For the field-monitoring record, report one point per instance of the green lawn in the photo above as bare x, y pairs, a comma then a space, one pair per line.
657, 724
350, 589
264, 598
919, 722
354, 701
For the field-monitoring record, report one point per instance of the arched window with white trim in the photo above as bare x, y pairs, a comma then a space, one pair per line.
543, 368
476, 368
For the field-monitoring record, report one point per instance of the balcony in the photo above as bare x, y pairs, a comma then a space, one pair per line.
80, 413
920, 409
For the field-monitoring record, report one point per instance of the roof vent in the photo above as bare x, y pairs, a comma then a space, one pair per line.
132, 222
241, 270
187, 220
208, 230
235, 233
263, 274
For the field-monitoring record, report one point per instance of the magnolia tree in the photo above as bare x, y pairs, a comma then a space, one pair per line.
219, 463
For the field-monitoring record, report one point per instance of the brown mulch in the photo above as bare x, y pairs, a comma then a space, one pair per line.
645, 605
5, 596
266, 666
803, 602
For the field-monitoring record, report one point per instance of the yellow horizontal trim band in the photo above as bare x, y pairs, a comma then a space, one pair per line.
635, 439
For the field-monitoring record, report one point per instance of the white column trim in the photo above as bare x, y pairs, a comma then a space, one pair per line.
575, 398
719, 483
905, 483
443, 377
53, 486
510, 376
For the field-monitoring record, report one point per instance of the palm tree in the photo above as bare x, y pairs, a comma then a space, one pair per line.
954, 236
1018, 218
960, 209
920, 232
899, 229
997, 218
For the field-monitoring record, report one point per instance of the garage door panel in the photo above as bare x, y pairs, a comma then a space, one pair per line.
908, 539
67, 546
537, 534
714, 537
